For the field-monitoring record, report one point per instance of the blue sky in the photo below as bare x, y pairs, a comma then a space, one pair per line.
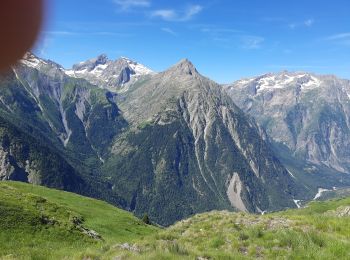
225, 39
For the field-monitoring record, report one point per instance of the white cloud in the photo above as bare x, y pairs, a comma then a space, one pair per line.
252, 42
192, 11
340, 38
178, 16
169, 31
127, 4
84, 33
43, 45
307, 23
61, 33
166, 14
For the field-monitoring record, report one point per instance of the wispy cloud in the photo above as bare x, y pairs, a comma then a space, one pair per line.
230, 37
178, 15
94, 33
307, 23
169, 31
216, 30
340, 38
166, 14
43, 45
251, 42
125, 5
61, 33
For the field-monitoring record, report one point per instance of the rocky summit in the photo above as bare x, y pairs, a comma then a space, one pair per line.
109, 74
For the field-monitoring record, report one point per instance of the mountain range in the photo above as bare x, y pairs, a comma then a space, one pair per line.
306, 115
174, 143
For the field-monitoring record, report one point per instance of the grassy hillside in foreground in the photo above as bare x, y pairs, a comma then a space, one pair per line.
42, 223
319, 231
39, 223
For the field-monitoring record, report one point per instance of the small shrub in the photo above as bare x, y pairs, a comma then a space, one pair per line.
146, 219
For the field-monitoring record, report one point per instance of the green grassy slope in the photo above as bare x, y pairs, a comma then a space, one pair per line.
42, 223
315, 232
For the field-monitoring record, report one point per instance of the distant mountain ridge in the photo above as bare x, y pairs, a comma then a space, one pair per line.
109, 74
169, 144
306, 113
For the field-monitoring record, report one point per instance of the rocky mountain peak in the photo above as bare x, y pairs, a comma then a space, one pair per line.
91, 64
184, 67
29, 56
105, 73
31, 60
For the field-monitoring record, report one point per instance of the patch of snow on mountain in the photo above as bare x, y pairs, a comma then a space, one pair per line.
347, 91
98, 70
280, 81
70, 73
312, 83
269, 82
297, 203
319, 193
139, 69
32, 61
78, 73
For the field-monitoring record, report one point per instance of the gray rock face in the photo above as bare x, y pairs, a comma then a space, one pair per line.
91, 64
341, 212
6, 169
309, 114
114, 75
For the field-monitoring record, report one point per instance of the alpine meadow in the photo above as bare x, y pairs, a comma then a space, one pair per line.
225, 136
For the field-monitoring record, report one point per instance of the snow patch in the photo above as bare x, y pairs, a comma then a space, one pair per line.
312, 83
70, 73
99, 69
297, 203
281, 81
319, 193
138, 68
32, 61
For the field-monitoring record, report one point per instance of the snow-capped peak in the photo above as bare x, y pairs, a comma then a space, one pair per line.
107, 73
138, 68
31, 60
282, 80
